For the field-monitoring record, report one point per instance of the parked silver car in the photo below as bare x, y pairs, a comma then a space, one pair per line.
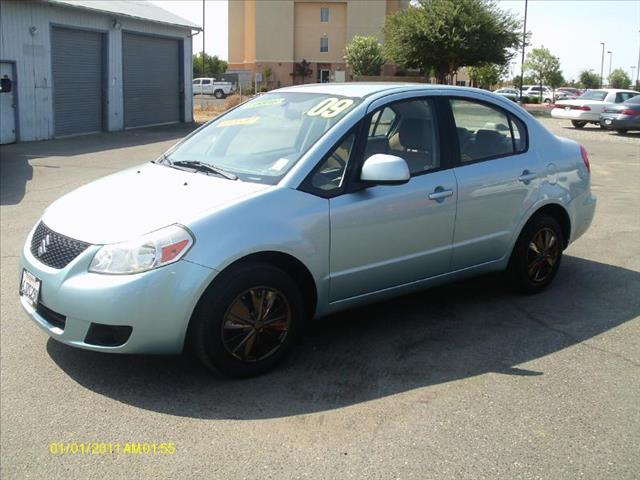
300, 203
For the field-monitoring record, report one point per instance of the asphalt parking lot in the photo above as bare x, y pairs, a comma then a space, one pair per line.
464, 381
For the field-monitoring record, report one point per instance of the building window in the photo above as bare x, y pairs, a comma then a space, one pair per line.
324, 14
324, 44
461, 83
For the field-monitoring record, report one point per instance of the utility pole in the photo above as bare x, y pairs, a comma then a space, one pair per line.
524, 43
610, 61
203, 38
602, 64
638, 67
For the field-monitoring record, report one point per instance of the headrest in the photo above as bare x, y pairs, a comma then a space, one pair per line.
415, 134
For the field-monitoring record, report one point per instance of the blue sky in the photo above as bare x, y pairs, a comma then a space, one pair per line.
572, 30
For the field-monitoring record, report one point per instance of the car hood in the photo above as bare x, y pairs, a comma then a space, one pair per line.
139, 200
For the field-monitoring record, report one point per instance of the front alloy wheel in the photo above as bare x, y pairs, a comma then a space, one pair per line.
247, 320
256, 324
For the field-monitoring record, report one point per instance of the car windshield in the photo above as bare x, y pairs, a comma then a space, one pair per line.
260, 140
593, 95
635, 99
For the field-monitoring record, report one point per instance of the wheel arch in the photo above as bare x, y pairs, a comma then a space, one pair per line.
559, 214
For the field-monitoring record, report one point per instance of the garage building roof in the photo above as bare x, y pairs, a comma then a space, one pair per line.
130, 8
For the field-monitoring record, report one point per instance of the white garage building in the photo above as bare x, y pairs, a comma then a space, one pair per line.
77, 67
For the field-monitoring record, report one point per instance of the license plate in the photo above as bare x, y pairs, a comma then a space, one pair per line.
30, 287
607, 121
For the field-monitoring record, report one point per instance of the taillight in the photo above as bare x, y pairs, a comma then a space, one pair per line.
585, 158
585, 108
630, 111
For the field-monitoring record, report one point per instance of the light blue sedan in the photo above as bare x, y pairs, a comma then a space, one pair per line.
297, 204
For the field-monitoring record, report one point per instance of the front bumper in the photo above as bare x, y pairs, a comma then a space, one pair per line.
616, 121
580, 115
157, 304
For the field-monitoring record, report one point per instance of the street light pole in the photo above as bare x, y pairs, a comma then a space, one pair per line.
610, 60
638, 69
524, 43
602, 64
203, 38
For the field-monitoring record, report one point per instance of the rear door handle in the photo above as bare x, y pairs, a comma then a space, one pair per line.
440, 194
527, 176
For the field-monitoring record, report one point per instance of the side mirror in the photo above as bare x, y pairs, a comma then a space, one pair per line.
382, 169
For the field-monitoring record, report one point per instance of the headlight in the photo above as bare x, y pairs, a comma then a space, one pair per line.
156, 249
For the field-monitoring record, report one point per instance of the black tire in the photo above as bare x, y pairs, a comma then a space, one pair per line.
530, 272
578, 123
547, 100
214, 331
219, 94
602, 126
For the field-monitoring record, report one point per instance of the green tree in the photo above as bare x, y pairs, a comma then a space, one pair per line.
544, 67
444, 35
527, 80
589, 79
619, 79
301, 69
267, 73
487, 75
213, 66
364, 55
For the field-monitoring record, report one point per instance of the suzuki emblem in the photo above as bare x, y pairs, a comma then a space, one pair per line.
42, 249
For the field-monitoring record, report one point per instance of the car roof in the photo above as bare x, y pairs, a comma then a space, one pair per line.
365, 89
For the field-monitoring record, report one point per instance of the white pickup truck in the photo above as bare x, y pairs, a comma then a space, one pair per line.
209, 86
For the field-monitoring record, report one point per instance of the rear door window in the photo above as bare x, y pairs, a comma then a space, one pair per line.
486, 132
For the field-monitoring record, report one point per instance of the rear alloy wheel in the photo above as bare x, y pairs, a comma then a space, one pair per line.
578, 123
219, 94
537, 255
247, 320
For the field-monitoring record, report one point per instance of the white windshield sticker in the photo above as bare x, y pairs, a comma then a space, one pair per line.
279, 164
237, 121
330, 107
264, 102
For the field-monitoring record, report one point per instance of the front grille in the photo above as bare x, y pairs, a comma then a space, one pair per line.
53, 249
53, 318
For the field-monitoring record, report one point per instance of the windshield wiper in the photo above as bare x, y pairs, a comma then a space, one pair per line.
202, 167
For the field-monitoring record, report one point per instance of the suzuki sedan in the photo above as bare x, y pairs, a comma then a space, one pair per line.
297, 204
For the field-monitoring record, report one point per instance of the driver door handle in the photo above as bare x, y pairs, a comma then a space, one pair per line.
440, 194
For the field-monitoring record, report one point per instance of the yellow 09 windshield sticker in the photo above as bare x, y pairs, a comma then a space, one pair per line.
238, 121
330, 107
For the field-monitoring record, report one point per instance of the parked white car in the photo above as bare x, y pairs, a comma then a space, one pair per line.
209, 86
510, 93
588, 107
532, 91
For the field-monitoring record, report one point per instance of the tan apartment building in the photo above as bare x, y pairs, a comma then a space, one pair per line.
277, 34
